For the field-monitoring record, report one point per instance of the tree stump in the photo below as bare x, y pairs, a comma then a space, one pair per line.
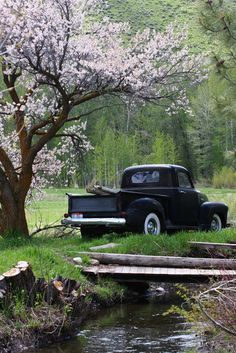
19, 278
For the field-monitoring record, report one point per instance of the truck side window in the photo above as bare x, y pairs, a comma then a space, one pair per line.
184, 181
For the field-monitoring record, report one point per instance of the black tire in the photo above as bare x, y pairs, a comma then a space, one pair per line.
216, 223
152, 224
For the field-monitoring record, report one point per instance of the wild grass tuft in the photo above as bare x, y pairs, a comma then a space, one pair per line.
105, 290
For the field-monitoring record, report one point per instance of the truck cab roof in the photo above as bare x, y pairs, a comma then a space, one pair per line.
154, 166
153, 175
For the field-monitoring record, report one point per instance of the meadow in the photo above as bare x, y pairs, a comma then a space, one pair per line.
51, 209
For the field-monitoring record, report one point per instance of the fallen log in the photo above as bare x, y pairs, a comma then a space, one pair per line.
206, 245
161, 261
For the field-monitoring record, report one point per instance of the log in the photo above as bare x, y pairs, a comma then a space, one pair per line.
205, 245
101, 190
105, 246
3, 286
58, 285
70, 285
161, 261
40, 285
51, 293
18, 278
96, 190
28, 278
13, 279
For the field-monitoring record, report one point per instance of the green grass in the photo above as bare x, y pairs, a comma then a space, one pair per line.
44, 254
171, 245
52, 208
223, 195
51, 256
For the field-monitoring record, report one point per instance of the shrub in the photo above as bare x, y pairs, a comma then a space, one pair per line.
225, 178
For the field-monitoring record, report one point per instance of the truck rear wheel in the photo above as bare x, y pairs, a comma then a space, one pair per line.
152, 224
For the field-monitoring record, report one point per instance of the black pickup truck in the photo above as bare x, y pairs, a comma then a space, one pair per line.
152, 199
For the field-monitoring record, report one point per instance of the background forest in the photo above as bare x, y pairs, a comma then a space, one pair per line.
126, 132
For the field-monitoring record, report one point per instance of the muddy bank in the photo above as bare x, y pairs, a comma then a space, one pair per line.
42, 325
35, 312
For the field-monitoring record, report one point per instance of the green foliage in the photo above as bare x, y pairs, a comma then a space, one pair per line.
188, 309
208, 148
113, 152
105, 290
163, 150
225, 178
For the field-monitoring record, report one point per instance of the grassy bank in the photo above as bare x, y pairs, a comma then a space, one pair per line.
51, 256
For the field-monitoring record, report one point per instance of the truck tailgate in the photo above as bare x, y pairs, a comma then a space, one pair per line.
94, 203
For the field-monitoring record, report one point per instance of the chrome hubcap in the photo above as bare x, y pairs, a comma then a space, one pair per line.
152, 227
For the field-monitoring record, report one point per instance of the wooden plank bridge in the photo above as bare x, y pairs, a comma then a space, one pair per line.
159, 268
157, 273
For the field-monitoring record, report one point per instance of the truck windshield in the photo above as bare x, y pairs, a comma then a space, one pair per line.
157, 178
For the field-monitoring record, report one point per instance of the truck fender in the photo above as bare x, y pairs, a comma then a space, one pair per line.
207, 210
138, 210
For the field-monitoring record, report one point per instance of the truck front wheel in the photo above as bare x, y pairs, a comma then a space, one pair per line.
152, 224
216, 223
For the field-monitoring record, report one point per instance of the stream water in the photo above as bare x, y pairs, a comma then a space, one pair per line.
131, 328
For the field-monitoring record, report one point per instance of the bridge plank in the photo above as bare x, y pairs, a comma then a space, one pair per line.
157, 271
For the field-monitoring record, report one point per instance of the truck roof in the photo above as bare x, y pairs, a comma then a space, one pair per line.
154, 166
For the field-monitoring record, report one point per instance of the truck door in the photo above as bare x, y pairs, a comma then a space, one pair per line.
187, 200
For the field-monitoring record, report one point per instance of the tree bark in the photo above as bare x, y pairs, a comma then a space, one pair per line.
12, 212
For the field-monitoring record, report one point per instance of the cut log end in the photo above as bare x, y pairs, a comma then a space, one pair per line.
13, 272
22, 265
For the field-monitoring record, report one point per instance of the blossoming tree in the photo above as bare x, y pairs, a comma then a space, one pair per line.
54, 58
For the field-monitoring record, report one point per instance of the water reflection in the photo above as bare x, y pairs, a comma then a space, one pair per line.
132, 328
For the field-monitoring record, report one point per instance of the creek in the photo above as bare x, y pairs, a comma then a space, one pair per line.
131, 328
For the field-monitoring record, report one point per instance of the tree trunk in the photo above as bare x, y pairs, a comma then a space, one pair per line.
13, 218
12, 212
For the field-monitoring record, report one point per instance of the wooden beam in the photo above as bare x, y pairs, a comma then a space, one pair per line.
205, 245
162, 261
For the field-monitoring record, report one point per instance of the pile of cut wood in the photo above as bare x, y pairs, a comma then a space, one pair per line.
21, 278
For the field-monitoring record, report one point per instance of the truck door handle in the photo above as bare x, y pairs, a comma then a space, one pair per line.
182, 192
